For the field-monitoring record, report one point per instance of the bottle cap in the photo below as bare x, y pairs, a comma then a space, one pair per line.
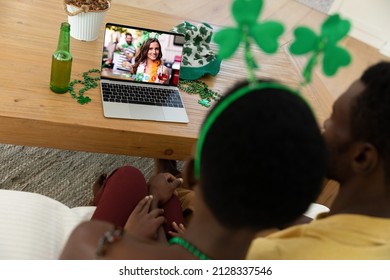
65, 25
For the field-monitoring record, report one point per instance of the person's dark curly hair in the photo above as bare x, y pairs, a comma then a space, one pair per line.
370, 113
263, 160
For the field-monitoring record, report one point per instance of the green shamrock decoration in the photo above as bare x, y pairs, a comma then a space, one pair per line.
204, 102
265, 34
332, 31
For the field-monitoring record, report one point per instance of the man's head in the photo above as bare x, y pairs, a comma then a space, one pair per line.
262, 159
129, 38
358, 132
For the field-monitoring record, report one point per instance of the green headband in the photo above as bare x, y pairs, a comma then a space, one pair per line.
221, 107
266, 35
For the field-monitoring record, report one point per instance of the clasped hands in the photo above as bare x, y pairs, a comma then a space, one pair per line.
147, 217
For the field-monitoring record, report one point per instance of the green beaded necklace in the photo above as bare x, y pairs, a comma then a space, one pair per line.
189, 247
201, 88
88, 83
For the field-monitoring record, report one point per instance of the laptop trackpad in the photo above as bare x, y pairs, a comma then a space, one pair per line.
144, 112
116, 110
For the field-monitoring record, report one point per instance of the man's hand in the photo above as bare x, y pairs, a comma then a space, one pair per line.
162, 186
143, 223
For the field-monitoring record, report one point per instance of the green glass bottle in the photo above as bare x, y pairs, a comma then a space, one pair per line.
61, 63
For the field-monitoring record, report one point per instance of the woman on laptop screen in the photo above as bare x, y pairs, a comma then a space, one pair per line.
148, 66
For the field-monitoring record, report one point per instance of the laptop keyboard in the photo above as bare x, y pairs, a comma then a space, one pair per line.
119, 93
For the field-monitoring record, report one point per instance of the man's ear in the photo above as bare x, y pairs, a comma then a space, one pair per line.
189, 173
365, 157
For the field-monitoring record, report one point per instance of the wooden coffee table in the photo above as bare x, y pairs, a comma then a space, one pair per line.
32, 115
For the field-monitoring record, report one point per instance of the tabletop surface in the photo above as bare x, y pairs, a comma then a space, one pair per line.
30, 114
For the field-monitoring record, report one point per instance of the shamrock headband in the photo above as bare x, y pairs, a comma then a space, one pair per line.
221, 107
266, 34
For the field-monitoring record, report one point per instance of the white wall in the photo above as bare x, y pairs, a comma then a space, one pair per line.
370, 21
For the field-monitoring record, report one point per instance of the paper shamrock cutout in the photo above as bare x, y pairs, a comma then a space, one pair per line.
265, 34
334, 57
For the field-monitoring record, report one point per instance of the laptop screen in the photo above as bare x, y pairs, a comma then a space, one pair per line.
141, 55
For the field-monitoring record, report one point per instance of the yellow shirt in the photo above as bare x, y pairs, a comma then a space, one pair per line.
342, 236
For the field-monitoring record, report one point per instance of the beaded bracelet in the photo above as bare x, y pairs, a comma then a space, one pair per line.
88, 83
108, 239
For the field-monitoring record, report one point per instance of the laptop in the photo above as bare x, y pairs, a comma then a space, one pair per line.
139, 74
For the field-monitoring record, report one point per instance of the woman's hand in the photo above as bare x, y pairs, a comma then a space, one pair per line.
162, 186
143, 223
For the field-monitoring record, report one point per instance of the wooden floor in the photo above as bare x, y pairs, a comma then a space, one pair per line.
291, 13
322, 92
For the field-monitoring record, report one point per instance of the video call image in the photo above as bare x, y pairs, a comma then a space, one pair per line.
141, 55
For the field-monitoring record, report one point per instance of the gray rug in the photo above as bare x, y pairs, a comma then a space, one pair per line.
66, 176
